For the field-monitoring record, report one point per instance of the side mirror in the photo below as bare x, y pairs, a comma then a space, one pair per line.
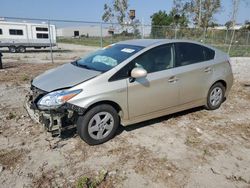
138, 73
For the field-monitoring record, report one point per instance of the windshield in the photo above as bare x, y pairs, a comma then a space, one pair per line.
108, 57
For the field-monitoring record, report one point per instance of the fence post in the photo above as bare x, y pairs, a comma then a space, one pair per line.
204, 35
212, 38
231, 42
142, 30
51, 51
101, 40
226, 36
247, 37
175, 32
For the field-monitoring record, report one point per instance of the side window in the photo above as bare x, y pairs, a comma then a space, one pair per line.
209, 53
42, 36
16, 32
1, 31
188, 53
157, 59
41, 29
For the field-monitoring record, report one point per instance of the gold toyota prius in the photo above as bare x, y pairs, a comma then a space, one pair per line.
129, 82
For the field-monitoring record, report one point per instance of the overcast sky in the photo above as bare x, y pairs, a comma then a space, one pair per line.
92, 10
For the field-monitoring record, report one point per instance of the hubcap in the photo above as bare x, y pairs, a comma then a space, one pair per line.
100, 125
216, 96
22, 50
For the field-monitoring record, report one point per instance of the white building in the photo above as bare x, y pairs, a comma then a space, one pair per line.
81, 31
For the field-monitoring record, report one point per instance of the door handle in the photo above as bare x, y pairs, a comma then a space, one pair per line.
207, 69
173, 79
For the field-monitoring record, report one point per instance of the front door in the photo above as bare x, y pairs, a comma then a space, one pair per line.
157, 91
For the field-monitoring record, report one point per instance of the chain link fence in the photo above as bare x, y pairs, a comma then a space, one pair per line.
100, 34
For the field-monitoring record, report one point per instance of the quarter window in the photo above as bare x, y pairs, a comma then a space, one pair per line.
16, 32
42, 36
188, 53
209, 54
41, 29
1, 31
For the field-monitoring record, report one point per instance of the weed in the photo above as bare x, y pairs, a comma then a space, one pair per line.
10, 116
86, 182
25, 77
192, 140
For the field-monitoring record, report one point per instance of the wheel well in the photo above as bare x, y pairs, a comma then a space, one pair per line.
223, 83
111, 103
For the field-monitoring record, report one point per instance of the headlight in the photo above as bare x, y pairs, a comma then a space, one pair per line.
55, 99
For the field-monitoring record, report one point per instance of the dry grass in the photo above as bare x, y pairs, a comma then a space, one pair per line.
10, 158
23, 72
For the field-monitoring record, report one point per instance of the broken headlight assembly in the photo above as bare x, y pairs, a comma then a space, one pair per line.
55, 99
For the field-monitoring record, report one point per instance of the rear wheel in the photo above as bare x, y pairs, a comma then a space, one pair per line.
98, 125
22, 49
12, 49
215, 96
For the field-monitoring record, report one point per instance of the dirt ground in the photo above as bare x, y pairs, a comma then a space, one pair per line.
194, 148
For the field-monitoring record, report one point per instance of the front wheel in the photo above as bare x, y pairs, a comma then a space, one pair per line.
98, 125
215, 96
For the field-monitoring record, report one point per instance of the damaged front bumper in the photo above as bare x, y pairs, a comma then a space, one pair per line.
54, 121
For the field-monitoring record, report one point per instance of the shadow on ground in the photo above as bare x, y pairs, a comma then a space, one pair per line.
72, 133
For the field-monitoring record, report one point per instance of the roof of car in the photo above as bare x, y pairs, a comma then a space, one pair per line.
150, 42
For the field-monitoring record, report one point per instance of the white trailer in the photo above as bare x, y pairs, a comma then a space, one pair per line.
18, 36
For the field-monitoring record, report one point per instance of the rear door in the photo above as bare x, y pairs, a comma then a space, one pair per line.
193, 70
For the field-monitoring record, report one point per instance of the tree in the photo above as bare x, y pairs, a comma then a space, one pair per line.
202, 11
229, 24
118, 10
179, 19
121, 9
247, 25
159, 21
108, 15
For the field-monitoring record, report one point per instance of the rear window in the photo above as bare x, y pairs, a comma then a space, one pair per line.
189, 53
209, 54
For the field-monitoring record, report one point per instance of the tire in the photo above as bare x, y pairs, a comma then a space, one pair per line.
92, 127
12, 49
21, 49
215, 96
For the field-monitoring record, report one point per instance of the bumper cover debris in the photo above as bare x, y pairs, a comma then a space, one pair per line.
54, 121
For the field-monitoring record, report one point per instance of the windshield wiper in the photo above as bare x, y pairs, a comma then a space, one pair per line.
80, 65
83, 66
75, 63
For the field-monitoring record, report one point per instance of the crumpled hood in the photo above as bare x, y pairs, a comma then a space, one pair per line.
64, 76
